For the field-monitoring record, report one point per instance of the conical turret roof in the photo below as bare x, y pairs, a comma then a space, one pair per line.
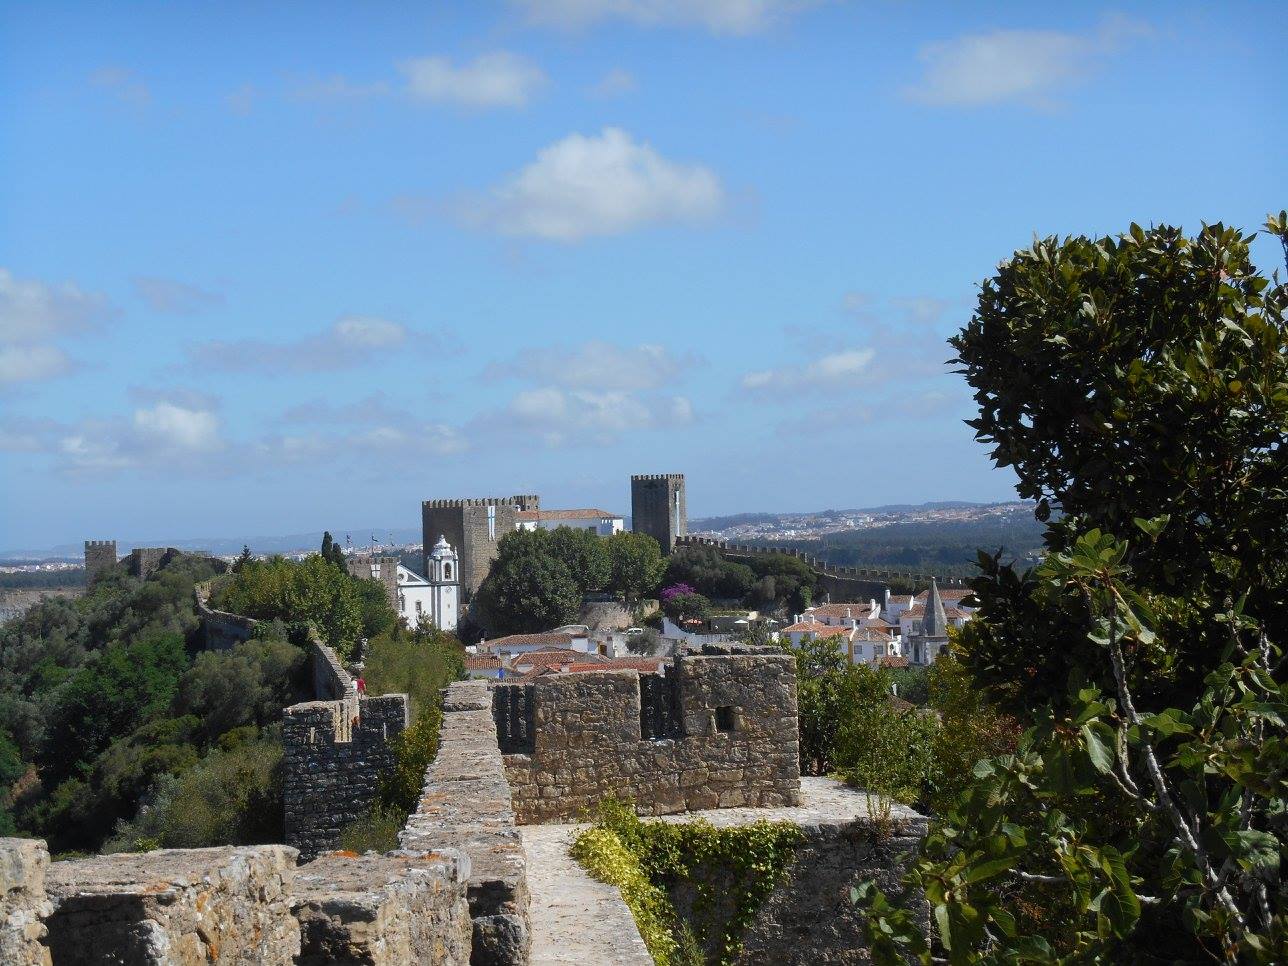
935, 623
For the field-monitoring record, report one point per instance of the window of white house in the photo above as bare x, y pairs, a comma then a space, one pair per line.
418, 607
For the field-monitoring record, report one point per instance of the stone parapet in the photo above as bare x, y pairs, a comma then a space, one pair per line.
175, 906
384, 910
23, 904
466, 806
737, 742
334, 755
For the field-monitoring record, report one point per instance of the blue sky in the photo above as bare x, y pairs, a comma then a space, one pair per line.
272, 268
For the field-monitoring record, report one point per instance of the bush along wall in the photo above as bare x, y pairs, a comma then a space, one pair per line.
692, 887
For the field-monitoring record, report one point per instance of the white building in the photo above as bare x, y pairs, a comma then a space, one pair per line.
572, 637
438, 596
597, 521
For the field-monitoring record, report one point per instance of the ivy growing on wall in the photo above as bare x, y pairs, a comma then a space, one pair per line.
720, 877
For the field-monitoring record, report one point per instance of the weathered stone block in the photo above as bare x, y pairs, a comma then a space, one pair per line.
23, 905
175, 906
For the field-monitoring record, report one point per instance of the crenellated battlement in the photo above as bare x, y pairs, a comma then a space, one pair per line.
679, 477
519, 501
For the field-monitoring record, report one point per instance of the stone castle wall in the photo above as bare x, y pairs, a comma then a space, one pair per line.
100, 555
334, 755
220, 629
840, 583
232, 905
653, 510
465, 525
736, 739
466, 805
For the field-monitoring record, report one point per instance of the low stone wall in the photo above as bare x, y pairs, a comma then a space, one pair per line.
334, 755
23, 904
737, 741
245, 906
330, 679
847, 837
384, 910
466, 806
227, 905
221, 630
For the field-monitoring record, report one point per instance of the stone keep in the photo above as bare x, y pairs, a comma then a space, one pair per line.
473, 527
100, 555
719, 729
658, 508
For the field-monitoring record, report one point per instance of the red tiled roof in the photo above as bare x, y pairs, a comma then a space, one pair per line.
482, 662
956, 593
952, 613
892, 660
553, 638
818, 630
555, 658
856, 610
587, 514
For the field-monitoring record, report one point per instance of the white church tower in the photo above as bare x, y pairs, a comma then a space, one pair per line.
444, 579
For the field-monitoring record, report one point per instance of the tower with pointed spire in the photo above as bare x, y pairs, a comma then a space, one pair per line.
932, 635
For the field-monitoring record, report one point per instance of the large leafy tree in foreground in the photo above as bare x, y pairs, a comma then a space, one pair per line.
1138, 386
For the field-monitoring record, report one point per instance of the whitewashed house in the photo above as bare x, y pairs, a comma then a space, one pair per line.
601, 522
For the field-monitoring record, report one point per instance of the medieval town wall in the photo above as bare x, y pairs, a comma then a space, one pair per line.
718, 730
466, 806
839, 583
334, 755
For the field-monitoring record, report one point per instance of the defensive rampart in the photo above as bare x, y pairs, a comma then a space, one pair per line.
719, 729
221, 630
839, 583
334, 755
246, 906
466, 806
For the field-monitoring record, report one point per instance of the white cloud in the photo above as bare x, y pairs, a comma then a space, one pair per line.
599, 185
123, 84
615, 83
31, 363
31, 311
336, 87
1021, 66
596, 365
498, 79
718, 16
177, 298
352, 340
559, 417
33, 316
845, 367
171, 426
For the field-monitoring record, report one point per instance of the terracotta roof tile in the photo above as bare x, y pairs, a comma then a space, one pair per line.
555, 639
587, 514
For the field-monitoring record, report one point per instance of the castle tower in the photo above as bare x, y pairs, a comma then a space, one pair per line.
100, 555
935, 623
444, 576
658, 508
474, 528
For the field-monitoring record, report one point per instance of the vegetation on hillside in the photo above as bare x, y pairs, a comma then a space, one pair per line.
769, 582
1138, 386
539, 577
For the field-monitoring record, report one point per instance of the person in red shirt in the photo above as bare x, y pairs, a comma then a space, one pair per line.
362, 686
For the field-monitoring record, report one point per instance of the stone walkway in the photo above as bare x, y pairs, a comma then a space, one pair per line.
575, 919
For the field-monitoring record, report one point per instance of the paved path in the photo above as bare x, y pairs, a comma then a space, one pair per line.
575, 919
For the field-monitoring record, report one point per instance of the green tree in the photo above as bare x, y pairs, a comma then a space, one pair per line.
686, 607
881, 746
584, 554
821, 674
1138, 386
527, 594
637, 565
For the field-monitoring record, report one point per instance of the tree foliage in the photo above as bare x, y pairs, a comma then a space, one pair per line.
1139, 387
636, 565
313, 590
